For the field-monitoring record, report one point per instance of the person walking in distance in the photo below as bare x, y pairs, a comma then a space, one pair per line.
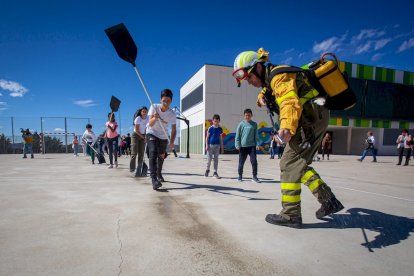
273, 146
301, 120
369, 145
90, 139
214, 145
404, 147
246, 142
75, 144
27, 143
326, 146
112, 140
156, 138
138, 139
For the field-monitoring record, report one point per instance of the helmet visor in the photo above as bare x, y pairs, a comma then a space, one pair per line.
242, 73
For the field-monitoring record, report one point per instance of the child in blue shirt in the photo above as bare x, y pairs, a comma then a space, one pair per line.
214, 142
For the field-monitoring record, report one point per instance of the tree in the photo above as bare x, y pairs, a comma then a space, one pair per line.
5, 144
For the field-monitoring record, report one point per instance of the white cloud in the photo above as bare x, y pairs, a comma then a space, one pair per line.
377, 56
381, 43
85, 103
329, 45
368, 33
58, 129
287, 61
363, 48
16, 89
407, 44
3, 106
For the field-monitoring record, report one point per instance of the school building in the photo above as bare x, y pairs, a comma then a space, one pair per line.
385, 106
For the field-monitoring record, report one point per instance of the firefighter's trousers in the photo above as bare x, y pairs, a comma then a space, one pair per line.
294, 165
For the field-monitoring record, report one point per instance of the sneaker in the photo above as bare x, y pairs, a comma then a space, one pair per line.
206, 173
32, 157
110, 166
359, 159
255, 179
160, 178
155, 184
375, 161
330, 207
282, 221
216, 175
116, 164
93, 162
25, 156
240, 179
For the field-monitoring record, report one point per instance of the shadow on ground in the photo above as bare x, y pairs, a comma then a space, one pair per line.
217, 189
391, 229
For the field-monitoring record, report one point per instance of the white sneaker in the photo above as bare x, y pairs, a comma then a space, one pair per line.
110, 166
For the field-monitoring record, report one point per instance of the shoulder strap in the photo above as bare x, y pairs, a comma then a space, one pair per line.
281, 70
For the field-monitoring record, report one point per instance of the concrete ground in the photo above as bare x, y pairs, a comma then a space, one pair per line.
60, 215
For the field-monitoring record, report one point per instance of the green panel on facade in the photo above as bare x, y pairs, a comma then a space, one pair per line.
332, 121
196, 140
408, 78
390, 76
365, 123
345, 122
378, 74
348, 68
368, 72
376, 123
386, 124
403, 125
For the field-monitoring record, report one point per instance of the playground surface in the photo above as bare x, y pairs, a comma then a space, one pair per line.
61, 215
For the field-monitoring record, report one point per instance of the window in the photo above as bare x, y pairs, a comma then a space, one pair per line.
195, 97
377, 99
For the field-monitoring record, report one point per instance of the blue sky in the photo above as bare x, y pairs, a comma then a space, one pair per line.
56, 61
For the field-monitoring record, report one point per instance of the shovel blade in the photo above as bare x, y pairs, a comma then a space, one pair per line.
114, 104
123, 43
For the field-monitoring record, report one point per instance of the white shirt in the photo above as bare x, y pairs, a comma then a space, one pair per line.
371, 139
89, 136
142, 123
167, 117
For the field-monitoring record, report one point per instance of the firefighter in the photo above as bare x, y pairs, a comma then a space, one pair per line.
303, 122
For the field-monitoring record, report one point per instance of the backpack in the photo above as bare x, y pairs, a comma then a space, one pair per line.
326, 77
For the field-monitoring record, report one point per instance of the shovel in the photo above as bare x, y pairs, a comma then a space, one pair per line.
127, 50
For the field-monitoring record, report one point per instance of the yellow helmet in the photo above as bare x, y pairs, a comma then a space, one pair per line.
245, 61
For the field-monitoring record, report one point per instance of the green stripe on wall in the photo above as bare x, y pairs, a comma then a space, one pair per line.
386, 124
345, 122
360, 71
403, 125
368, 72
361, 123
348, 68
378, 73
332, 121
390, 77
376, 123
408, 78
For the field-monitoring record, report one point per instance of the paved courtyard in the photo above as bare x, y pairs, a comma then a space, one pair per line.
60, 215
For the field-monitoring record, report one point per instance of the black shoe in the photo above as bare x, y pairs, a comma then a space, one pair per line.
240, 179
360, 160
255, 179
206, 173
398, 164
216, 175
330, 207
375, 161
156, 184
25, 156
405, 165
160, 178
32, 157
282, 221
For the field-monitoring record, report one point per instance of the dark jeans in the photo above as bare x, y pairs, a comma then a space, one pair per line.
243, 152
138, 147
157, 148
113, 149
404, 152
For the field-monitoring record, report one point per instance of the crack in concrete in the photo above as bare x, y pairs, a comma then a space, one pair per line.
120, 246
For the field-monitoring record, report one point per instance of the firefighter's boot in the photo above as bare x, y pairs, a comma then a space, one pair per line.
276, 219
329, 207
